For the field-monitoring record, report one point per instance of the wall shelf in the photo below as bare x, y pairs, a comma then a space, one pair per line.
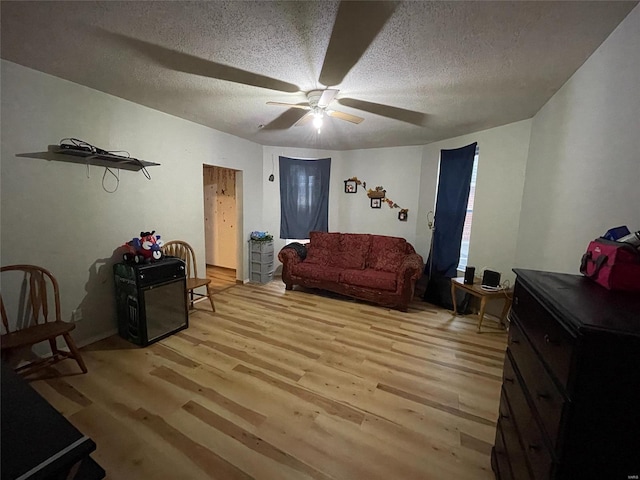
58, 154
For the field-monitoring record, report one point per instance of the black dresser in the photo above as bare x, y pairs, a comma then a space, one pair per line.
570, 402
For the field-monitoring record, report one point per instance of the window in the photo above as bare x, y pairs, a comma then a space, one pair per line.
304, 196
466, 232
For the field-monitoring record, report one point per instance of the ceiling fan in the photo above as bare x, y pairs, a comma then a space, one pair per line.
356, 25
319, 100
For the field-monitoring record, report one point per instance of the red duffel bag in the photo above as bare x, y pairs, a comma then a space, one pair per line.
614, 265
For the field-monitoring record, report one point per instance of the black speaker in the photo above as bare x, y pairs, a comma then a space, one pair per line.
150, 300
469, 273
490, 278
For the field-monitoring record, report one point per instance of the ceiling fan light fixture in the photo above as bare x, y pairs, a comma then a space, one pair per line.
317, 120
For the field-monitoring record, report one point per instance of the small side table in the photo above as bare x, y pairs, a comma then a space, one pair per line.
484, 295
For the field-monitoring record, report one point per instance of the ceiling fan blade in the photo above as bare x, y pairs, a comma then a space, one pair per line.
286, 120
357, 25
408, 116
345, 116
327, 97
184, 62
290, 105
304, 120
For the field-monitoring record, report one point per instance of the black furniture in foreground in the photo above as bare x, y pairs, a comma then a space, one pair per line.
570, 404
37, 441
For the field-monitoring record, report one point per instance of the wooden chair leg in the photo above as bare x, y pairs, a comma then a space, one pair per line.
210, 294
75, 352
483, 303
54, 346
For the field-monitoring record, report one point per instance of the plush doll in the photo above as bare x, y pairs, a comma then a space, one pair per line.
144, 249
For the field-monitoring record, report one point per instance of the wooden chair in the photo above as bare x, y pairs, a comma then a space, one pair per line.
182, 250
35, 324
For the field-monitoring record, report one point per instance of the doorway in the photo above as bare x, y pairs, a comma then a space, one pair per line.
221, 220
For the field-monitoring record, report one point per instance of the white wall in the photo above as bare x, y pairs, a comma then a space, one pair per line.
397, 169
583, 171
56, 217
409, 175
496, 213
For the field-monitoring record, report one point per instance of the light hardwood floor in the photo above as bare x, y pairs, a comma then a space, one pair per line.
221, 278
292, 385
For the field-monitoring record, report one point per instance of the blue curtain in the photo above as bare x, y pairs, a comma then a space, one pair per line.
454, 183
304, 196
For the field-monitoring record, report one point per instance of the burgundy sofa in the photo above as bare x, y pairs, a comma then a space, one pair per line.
376, 268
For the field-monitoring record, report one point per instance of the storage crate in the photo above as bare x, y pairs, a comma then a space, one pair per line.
261, 277
266, 267
262, 246
262, 257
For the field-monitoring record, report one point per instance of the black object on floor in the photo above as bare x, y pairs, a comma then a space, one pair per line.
438, 292
151, 300
37, 441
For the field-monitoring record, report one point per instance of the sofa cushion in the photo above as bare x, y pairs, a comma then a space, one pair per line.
369, 278
390, 262
317, 272
317, 255
352, 252
322, 247
386, 253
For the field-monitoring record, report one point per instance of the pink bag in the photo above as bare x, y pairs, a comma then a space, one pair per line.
614, 265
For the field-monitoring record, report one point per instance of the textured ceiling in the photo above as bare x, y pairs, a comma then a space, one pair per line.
416, 72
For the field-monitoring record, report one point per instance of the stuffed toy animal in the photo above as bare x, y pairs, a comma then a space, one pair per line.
145, 249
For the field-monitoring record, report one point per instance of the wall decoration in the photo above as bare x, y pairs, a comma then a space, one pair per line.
377, 196
350, 186
357, 182
379, 192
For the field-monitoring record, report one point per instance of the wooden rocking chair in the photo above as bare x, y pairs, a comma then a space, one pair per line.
37, 325
184, 251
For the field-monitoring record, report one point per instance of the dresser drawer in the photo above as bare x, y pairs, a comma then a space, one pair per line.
500, 458
552, 341
512, 444
539, 458
542, 391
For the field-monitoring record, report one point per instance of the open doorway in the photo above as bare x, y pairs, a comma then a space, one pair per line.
221, 225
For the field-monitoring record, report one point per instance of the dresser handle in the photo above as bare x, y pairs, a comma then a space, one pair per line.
506, 417
543, 396
547, 339
534, 448
516, 341
508, 380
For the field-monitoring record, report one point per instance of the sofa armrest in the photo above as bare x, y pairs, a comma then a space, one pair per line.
289, 257
412, 267
410, 271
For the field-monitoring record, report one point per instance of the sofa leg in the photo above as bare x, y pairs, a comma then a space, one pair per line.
288, 287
